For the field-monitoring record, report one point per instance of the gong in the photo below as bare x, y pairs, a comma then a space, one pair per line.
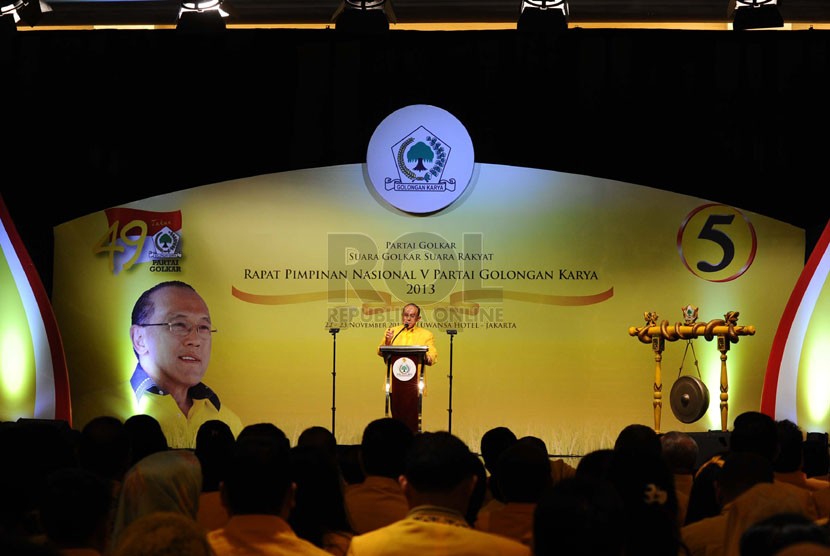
689, 399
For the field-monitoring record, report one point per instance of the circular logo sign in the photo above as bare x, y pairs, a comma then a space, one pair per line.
404, 368
420, 159
717, 242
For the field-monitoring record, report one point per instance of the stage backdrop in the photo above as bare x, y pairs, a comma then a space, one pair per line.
541, 273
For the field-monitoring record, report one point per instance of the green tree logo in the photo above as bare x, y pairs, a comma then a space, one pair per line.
420, 152
165, 241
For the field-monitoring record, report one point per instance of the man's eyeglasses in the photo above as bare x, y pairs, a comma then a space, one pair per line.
182, 328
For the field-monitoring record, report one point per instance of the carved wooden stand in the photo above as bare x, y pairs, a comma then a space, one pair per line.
726, 330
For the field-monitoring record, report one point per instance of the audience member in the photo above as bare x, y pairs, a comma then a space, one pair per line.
214, 448
259, 494
319, 436
524, 473
580, 516
817, 456
790, 460
781, 530
319, 513
646, 486
267, 431
438, 479
680, 450
163, 534
348, 458
104, 448
559, 468
145, 436
752, 431
756, 504
493, 443
379, 500
737, 473
168, 481
75, 510
479, 492
596, 464
637, 442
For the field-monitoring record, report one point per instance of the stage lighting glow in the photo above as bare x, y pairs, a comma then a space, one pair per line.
816, 370
799, 351
32, 360
14, 365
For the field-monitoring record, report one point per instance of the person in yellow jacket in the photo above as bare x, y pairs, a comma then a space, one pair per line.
410, 334
438, 481
404, 392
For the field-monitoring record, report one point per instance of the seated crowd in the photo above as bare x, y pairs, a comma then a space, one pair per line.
117, 489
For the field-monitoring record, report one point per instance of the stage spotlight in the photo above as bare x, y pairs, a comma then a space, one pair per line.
364, 16
27, 12
201, 16
543, 15
756, 14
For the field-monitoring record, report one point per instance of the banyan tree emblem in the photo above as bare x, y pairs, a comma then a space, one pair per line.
166, 245
420, 159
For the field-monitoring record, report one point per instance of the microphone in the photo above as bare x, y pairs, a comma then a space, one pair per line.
405, 327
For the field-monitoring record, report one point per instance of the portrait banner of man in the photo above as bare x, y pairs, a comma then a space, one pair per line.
172, 334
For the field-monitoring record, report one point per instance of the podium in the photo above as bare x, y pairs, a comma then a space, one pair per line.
405, 383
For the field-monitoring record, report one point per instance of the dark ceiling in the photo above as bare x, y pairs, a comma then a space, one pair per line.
320, 12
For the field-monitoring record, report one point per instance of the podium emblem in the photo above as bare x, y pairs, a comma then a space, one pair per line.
404, 368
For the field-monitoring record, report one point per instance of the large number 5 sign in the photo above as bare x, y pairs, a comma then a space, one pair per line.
715, 245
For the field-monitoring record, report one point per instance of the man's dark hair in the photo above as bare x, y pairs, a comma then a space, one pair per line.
383, 447
596, 463
791, 447
145, 435
680, 450
524, 471
268, 431
104, 447
413, 305
214, 448
438, 462
638, 442
754, 431
768, 536
144, 306
493, 443
258, 477
321, 437
816, 454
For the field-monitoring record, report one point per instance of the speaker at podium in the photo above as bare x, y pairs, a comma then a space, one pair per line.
405, 383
